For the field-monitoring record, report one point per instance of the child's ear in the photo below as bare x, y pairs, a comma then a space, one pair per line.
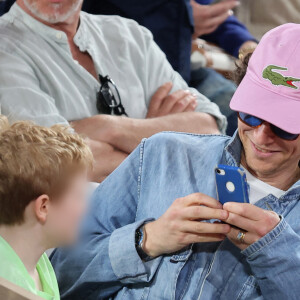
41, 207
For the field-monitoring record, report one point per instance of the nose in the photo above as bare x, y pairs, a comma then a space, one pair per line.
264, 134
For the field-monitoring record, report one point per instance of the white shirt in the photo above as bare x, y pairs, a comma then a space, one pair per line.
40, 80
260, 189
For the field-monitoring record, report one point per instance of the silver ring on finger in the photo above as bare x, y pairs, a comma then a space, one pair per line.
241, 237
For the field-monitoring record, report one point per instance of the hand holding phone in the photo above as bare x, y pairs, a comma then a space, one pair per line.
231, 183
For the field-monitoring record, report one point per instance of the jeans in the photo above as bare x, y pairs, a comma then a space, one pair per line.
217, 89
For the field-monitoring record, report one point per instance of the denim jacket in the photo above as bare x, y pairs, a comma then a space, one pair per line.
105, 264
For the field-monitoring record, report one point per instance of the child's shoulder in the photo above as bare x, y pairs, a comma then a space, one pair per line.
11, 266
47, 274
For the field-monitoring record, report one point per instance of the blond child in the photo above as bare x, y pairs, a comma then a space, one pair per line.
43, 179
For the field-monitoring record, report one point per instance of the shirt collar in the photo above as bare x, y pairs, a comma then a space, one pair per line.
17, 13
233, 150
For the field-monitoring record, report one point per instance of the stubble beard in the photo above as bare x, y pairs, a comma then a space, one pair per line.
56, 16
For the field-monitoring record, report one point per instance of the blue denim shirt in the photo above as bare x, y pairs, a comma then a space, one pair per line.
105, 264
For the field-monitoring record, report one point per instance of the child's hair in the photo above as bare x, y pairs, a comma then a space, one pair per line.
36, 160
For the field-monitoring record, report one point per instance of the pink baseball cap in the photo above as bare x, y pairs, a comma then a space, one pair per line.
270, 89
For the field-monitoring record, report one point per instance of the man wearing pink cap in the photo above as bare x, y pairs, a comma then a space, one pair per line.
144, 238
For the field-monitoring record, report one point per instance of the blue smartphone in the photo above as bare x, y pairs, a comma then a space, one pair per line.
231, 184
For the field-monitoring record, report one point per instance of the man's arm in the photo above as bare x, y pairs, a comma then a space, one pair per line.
106, 259
125, 134
106, 159
231, 34
271, 247
21, 98
162, 101
158, 71
275, 262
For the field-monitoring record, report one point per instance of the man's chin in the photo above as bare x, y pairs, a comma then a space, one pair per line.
261, 166
54, 12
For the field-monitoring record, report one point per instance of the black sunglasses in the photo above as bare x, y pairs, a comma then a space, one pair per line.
108, 98
255, 122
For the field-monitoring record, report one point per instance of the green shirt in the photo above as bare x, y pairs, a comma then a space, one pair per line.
13, 269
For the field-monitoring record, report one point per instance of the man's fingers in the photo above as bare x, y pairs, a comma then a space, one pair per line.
221, 8
160, 95
241, 222
216, 21
198, 199
197, 227
171, 100
205, 213
189, 103
246, 210
203, 238
192, 106
206, 30
249, 239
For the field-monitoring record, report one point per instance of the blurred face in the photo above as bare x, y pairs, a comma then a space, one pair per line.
66, 212
267, 154
53, 11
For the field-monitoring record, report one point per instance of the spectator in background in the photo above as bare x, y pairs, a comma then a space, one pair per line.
174, 23
49, 67
5, 6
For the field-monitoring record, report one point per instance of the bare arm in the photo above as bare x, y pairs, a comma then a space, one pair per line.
134, 130
167, 112
125, 133
106, 159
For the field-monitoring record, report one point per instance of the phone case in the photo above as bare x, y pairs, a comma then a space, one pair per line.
231, 183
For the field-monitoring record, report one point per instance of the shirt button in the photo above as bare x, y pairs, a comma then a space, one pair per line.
59, 35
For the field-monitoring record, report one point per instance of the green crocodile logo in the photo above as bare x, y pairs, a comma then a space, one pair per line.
278, 79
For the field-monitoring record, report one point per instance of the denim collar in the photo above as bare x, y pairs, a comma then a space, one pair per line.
233, 150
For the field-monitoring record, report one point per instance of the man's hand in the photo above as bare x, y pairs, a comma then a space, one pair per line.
255, 221
163, 103
181, 225
207, 18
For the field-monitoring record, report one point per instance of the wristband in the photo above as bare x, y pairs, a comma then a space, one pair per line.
139, 242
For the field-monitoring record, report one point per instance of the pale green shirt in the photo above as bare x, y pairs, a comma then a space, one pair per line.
40, 80
13, 270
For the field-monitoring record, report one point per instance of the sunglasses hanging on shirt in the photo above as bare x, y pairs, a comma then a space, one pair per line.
108, 98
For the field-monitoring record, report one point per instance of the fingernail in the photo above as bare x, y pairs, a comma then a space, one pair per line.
230, 12
187, 92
